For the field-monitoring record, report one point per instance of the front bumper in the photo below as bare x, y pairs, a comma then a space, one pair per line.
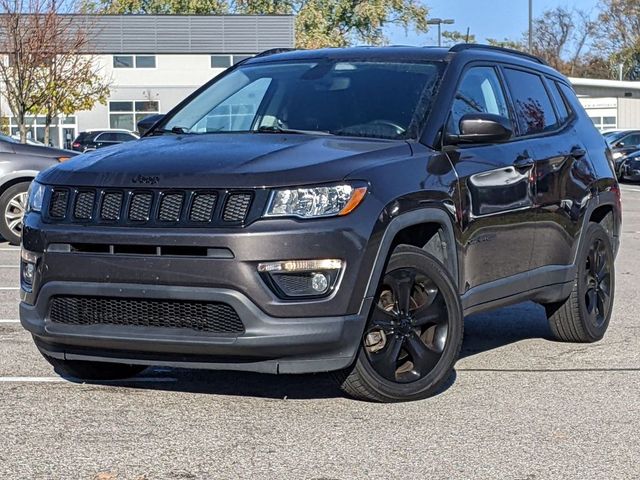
280, 336
269, 344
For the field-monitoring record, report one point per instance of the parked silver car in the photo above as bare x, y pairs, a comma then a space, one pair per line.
19, 164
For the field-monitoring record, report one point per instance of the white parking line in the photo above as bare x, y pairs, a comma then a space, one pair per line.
630, 189
64, 380
9, 249
9, 288
9, 321
9, 266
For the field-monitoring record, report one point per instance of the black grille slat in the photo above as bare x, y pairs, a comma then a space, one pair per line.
208, 317
140, 208
58, 205
236, 207
150, 207
111, 206
83, 209
202, 207
170, 207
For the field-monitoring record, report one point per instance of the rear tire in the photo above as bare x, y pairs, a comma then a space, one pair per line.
409, 347
83, 370
584, 316
13, 203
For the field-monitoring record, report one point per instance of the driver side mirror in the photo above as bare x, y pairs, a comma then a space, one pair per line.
482, 128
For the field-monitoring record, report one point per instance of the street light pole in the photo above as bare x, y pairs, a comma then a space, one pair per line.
530, 26
439, 22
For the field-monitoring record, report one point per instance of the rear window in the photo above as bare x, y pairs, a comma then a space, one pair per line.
561, 104
533, 106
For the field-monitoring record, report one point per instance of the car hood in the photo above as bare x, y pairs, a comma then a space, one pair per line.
42, 151
224, 160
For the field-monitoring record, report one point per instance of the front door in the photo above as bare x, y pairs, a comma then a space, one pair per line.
496, 187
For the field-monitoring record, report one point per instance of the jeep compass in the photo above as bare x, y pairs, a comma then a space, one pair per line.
337, 210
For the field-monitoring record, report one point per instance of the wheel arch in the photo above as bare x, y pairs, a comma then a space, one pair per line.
13, 178
429, 228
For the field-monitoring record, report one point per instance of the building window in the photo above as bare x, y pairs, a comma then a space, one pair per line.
225, 61
239, 58
126, 114
134, 61
61, 134
122, 61
604, 123
145, 61
220, 61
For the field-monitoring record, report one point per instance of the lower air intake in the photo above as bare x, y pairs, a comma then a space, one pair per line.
209, 317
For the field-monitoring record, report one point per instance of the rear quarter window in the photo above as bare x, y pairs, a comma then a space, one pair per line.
534, 109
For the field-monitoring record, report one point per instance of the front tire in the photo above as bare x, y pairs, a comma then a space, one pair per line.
584, 316
83, 370
414, 333
13, 204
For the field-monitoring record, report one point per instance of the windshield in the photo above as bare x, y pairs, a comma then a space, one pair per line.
613, 137
360, 98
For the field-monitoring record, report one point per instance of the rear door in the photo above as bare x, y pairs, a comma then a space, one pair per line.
563, 175
496, 187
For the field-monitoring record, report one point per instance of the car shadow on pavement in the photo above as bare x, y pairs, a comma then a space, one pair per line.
483, 332
488, 331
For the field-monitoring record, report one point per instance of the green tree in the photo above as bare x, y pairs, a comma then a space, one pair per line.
319, 23
619, 35
453, 37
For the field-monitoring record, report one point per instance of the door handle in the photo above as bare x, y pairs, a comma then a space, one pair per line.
523, 163
578, 152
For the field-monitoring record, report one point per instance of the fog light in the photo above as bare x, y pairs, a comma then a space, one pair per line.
302, 278
29, 262
319, 282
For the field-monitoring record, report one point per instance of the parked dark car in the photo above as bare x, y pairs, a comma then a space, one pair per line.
335, 210
622, 143
630, 167
19, 165
94, 139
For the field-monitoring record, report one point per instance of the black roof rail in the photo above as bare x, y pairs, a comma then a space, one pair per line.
273, 51
460, 47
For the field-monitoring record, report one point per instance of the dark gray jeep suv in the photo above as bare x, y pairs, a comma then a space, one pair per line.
335, 210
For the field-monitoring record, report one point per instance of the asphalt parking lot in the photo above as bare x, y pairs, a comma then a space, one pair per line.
520, 407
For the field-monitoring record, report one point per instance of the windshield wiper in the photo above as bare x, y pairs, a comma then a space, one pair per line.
276, 129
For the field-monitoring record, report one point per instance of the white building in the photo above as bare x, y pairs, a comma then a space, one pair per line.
610, 103
155, 61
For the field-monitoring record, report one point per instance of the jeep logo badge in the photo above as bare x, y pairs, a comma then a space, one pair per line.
145, 179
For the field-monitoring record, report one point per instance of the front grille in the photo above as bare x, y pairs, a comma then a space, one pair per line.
236, 207
170, 207
202, 207
111, 205
84, 205
58, 205
140, 208
208, 317
151, 208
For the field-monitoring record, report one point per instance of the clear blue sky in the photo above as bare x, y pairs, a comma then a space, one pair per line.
486, 18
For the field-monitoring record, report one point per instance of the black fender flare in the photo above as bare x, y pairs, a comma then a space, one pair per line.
432, 214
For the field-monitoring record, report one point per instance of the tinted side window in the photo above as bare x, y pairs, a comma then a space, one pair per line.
630, 140
106, 137
533, 105
124, 137
561, 105
479, 91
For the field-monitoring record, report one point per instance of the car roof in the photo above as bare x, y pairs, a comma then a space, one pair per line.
407, 53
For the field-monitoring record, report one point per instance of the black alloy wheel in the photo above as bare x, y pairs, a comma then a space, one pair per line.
409, 326
597, 274
413, 335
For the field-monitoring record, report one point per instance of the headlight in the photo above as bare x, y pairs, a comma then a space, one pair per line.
315, 202
36, 197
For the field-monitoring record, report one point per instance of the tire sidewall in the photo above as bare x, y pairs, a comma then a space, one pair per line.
594, 232
406, 256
